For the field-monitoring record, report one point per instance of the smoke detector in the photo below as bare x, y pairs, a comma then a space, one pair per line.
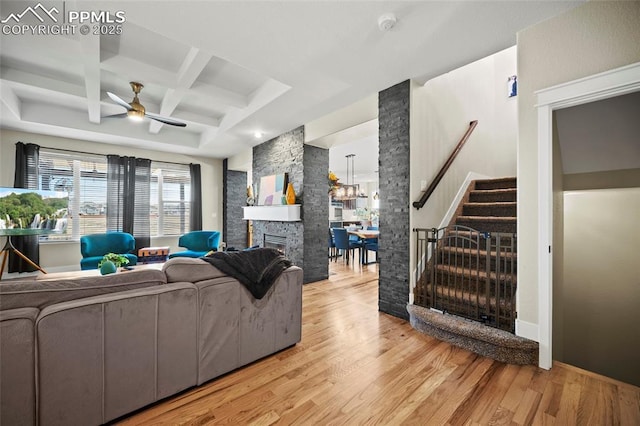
387, 21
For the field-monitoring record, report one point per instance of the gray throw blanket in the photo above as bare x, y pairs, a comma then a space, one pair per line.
257, 269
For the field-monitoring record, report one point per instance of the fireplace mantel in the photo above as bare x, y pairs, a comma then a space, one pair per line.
286, 213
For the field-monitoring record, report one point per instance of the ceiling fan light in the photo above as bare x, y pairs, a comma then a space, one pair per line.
135, 115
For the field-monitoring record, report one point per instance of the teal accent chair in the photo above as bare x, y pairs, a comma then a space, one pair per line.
197, 243
94, 246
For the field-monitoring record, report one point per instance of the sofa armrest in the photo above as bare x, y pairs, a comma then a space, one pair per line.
17, 366
190, 269
236, 329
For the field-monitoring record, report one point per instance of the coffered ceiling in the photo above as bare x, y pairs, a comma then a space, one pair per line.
230, 69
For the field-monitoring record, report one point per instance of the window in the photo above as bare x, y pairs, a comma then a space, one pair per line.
170, 201
84, 177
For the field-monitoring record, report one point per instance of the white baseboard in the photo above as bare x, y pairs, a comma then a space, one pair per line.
528, 330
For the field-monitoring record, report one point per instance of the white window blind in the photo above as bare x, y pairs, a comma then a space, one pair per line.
170, 199
84, 177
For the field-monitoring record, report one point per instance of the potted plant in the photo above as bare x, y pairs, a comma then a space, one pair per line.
111, 262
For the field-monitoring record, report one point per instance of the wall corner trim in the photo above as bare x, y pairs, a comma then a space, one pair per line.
528, 330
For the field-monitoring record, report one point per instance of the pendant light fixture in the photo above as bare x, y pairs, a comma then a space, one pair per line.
351, 189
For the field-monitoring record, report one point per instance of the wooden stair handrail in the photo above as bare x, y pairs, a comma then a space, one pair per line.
432, 187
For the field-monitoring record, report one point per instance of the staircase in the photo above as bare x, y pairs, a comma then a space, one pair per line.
489, 206
472, 274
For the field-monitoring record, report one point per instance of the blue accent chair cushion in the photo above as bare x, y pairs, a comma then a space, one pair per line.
94, 246
197, 243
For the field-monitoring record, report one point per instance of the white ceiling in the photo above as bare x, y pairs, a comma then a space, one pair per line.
229, 69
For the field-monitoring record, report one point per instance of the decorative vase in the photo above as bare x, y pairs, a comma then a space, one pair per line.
107, 267
291, 194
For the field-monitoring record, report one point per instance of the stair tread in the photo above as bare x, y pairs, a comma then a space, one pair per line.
471, 296
482, 253
470, 233
471, 329
492, 203
468, 273
494, 191
490, 218
498, 179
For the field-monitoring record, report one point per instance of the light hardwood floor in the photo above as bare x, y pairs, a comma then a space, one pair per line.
358, 366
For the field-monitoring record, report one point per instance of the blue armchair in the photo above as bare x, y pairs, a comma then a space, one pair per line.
94, 246
197, 243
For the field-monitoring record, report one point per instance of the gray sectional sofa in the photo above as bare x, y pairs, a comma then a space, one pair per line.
89, 350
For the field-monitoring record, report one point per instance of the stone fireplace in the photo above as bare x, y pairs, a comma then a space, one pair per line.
307, 167
278, 242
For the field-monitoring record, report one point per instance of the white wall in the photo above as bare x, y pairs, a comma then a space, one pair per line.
600, 290
589, 39
66, 255
355, 114
440, 114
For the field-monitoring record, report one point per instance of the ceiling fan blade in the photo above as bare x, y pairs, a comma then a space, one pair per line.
119, 101
124, 114
165, 120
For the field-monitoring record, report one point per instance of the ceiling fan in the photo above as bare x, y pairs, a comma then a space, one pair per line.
136, 111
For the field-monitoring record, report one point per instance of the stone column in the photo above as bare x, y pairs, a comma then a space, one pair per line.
393, 121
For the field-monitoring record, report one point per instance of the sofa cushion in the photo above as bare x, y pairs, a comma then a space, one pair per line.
104, 356
39, 294
190, 269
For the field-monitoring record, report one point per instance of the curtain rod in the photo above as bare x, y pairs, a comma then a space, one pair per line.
93, 153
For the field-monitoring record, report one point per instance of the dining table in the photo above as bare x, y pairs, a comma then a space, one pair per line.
364, 234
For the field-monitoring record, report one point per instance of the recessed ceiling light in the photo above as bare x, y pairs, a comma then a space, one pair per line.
257, 134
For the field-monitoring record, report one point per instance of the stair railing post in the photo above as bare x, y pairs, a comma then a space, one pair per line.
500, 273
434, 265
487, 302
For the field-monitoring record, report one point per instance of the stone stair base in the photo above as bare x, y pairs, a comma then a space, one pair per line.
474, 336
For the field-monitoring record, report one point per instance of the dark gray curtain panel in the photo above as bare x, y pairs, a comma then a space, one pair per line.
128, 191
26, 176
195, 219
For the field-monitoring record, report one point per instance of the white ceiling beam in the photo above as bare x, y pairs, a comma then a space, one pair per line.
51, 115
11, 100
90, 45
191, 68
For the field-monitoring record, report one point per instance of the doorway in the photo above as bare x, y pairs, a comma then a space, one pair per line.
354, 162
596, 272
617, 82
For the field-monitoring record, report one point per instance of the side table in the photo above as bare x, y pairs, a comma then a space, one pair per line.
153, 254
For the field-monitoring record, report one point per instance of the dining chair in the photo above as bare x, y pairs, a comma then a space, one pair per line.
370, 244
332, 246
343, 244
